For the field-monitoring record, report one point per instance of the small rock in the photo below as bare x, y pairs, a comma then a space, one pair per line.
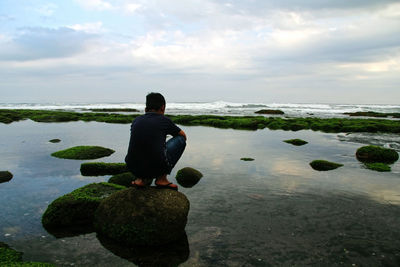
124, 179
55, 141
5, 176
296, 142
247, 159
323, 165
270, 111
188, 177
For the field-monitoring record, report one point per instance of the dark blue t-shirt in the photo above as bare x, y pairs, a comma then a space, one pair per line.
146, 156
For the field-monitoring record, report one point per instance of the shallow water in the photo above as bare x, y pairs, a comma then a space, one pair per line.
274, 210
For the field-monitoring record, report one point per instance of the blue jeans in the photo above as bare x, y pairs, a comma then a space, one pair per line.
174, 150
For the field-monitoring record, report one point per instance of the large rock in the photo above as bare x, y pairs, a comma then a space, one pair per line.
77, 208
188, 177
145, 216
5, 176
102, 168
376, 154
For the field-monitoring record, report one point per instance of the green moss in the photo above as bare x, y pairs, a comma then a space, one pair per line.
83, 152
378, 166
8, 254
124, 179
114, 110
5, 176
247, 159
27, 264
376, 154
55, 140
330, 125
102, 168
188, 177
296, 142
77, 207
372, 114
270, 111
323, 165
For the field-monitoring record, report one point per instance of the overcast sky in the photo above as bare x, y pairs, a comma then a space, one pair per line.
283, 51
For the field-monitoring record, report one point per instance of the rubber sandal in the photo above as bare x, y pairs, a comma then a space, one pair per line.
138, 186
166, 186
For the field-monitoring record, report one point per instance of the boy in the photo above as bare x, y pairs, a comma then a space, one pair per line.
149, 156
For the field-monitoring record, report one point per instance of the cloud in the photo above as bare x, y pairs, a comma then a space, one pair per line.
95, 4
39, 43
46, 10
91, 27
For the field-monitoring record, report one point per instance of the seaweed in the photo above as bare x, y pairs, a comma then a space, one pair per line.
378, 166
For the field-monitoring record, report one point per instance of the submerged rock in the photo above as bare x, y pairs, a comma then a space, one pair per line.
170, 255
296, 142
188, 177
55, 140
5, 176
124, 179
378, 166
270, 111
146, 216
102, 168
376, 154
77, 207
83, 152
323, 165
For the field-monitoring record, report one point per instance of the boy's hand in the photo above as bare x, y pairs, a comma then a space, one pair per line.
183, 134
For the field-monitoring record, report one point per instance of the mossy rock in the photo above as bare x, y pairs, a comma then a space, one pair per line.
55, 140
188, 177
323, 165
5, 176
378, 166
83, 152
247, 159
26, 264
146, 216
296, 142
77, 207
8, 254
124, 179
270, 111
114, 110
102, 168
376, 154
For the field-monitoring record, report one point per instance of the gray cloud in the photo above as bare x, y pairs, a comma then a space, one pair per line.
39, 43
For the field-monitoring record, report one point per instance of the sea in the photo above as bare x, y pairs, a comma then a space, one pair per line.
220, 108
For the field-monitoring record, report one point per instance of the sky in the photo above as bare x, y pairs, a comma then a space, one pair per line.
254, 51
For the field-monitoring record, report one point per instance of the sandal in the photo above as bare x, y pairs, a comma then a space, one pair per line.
167, 186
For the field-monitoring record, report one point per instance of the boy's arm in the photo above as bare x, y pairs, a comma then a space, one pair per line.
183, 134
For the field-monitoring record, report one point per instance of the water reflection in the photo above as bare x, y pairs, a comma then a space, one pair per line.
171, 254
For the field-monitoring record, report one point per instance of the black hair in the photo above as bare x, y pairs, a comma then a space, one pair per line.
154, 101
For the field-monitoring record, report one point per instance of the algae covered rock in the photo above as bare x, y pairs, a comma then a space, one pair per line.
77, 207
323, 165
55, 140
13, 258
296, 142
124, 179
8, 254
5, 176
146, 216
376, 154
247, 159
83, 152
188, 177
102, 168
378, 166
270, 111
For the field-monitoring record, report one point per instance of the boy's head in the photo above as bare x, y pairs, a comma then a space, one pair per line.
155, 101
